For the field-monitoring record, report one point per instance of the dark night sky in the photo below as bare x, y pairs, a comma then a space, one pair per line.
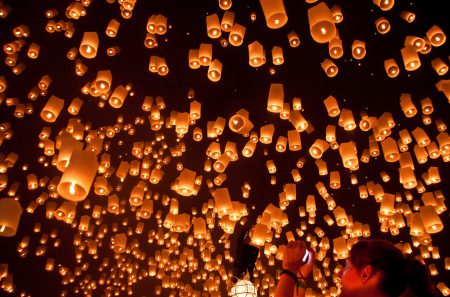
361, 85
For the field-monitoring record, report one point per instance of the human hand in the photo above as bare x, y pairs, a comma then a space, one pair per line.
293, 254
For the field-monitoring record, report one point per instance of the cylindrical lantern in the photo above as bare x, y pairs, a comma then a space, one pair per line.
215, 70
358, 49
276, 98
213, 26
236, 37
113, 27
52, 109
410, 57
274, 13
293, 39
335, 49
10, 212
383, 26
78, 176
256, 54
330, 68
321, 23
332, 106
436, 36
118, 96
89, 45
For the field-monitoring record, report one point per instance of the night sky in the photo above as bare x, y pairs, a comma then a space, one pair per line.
361, 87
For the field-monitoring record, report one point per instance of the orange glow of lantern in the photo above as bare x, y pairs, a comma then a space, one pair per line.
52, 109
274, 13
321, 23
213, 26
89, 45
330, 68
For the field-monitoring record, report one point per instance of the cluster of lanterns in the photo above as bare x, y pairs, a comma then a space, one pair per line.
87, 167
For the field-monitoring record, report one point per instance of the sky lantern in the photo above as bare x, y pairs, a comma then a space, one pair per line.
89, 45
10, 211
321, 23
78, 176
274, 13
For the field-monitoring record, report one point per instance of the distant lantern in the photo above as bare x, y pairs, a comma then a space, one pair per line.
119, 242
78, 176
335, 49
205, 54
293, 39
384, 4
240, 122
346, 120
358, 49
294, 140
439, 66
33, 51
160, 24
336, 12
321, 23
274, 12
331, 106
118, 96
52, 109
112, 28
103, 80
225, 4
193, 59
213, 26
408, 107
436, 36
227, 21
318, 148
408, 16
236, 36
431, 221
89, 45
256, 54
348, 153
330, 68
298, 121
390, 150
383, 26
10, 212
411, 58
215, 70
266, 133
75, 106
277, 55
407, 177
276, 98
391, 67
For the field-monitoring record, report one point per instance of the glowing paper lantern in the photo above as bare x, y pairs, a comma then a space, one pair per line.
266, 133
330, 68
321, 23
318, 148
431, 221
276, 98
410, 57
10, 212
274, 13
384, 4
118, 96
240, 122
331, 106
227, 21
383, 26
112, 28
293, 39
236, 37
78, 176
205, 54
335, 49
358, 49
256, 54
215, 70
213, 26
52, 109
243, 288
89, 45
436, 36
391, 68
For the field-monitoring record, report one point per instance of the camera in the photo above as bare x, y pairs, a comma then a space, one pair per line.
305, 257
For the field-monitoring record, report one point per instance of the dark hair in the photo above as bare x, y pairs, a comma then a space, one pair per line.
400, 274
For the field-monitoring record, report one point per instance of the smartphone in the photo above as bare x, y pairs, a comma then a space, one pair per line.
305, 257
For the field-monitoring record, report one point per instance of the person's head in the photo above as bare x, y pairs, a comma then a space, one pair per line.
378, 266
